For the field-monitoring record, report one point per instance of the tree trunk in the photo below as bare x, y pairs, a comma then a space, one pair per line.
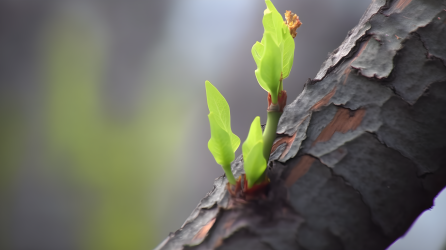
360, 153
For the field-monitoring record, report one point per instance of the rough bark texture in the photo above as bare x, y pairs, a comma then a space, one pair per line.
360, 153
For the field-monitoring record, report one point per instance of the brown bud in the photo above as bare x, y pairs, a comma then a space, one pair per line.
293, 22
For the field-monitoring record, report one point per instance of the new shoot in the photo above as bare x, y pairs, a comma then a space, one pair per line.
223, 142
254, 162
274, 57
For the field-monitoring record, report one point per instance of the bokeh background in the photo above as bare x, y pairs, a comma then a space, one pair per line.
104, 130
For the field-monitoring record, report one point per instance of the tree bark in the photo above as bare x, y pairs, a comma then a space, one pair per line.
360, 153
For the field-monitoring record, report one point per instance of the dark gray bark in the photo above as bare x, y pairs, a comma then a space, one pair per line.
360, 153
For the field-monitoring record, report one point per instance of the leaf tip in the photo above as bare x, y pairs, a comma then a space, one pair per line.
257, 120
208, 83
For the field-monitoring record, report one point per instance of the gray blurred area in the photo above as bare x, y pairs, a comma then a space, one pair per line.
128, 60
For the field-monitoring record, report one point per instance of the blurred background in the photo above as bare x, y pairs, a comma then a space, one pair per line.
104, 130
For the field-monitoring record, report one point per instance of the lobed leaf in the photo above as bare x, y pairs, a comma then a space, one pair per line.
254, 162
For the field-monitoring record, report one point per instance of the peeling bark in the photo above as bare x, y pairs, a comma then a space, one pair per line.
360, 153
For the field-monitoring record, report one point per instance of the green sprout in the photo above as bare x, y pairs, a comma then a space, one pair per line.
254, 162
223, 142
274, 57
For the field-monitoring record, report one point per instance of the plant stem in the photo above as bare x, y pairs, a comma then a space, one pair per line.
229, 175
269, 135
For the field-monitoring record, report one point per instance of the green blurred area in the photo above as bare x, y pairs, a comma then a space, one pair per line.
115, 163
11, 143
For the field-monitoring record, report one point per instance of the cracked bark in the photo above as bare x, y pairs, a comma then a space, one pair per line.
360, 153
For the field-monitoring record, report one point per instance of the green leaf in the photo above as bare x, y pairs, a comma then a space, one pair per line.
257, 52
254, 162
273, 22
218, 105
220, 143
275, 53
223, 142
255, 166
270, 66
288, 55
254, 135
235, 141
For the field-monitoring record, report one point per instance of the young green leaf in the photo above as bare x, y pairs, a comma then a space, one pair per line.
274, 54
288, 55
257, 52
254, 162
218, 105
220, 143
223, 142
269, 67
273, 22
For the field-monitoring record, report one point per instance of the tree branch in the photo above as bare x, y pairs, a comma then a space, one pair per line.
360, 153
